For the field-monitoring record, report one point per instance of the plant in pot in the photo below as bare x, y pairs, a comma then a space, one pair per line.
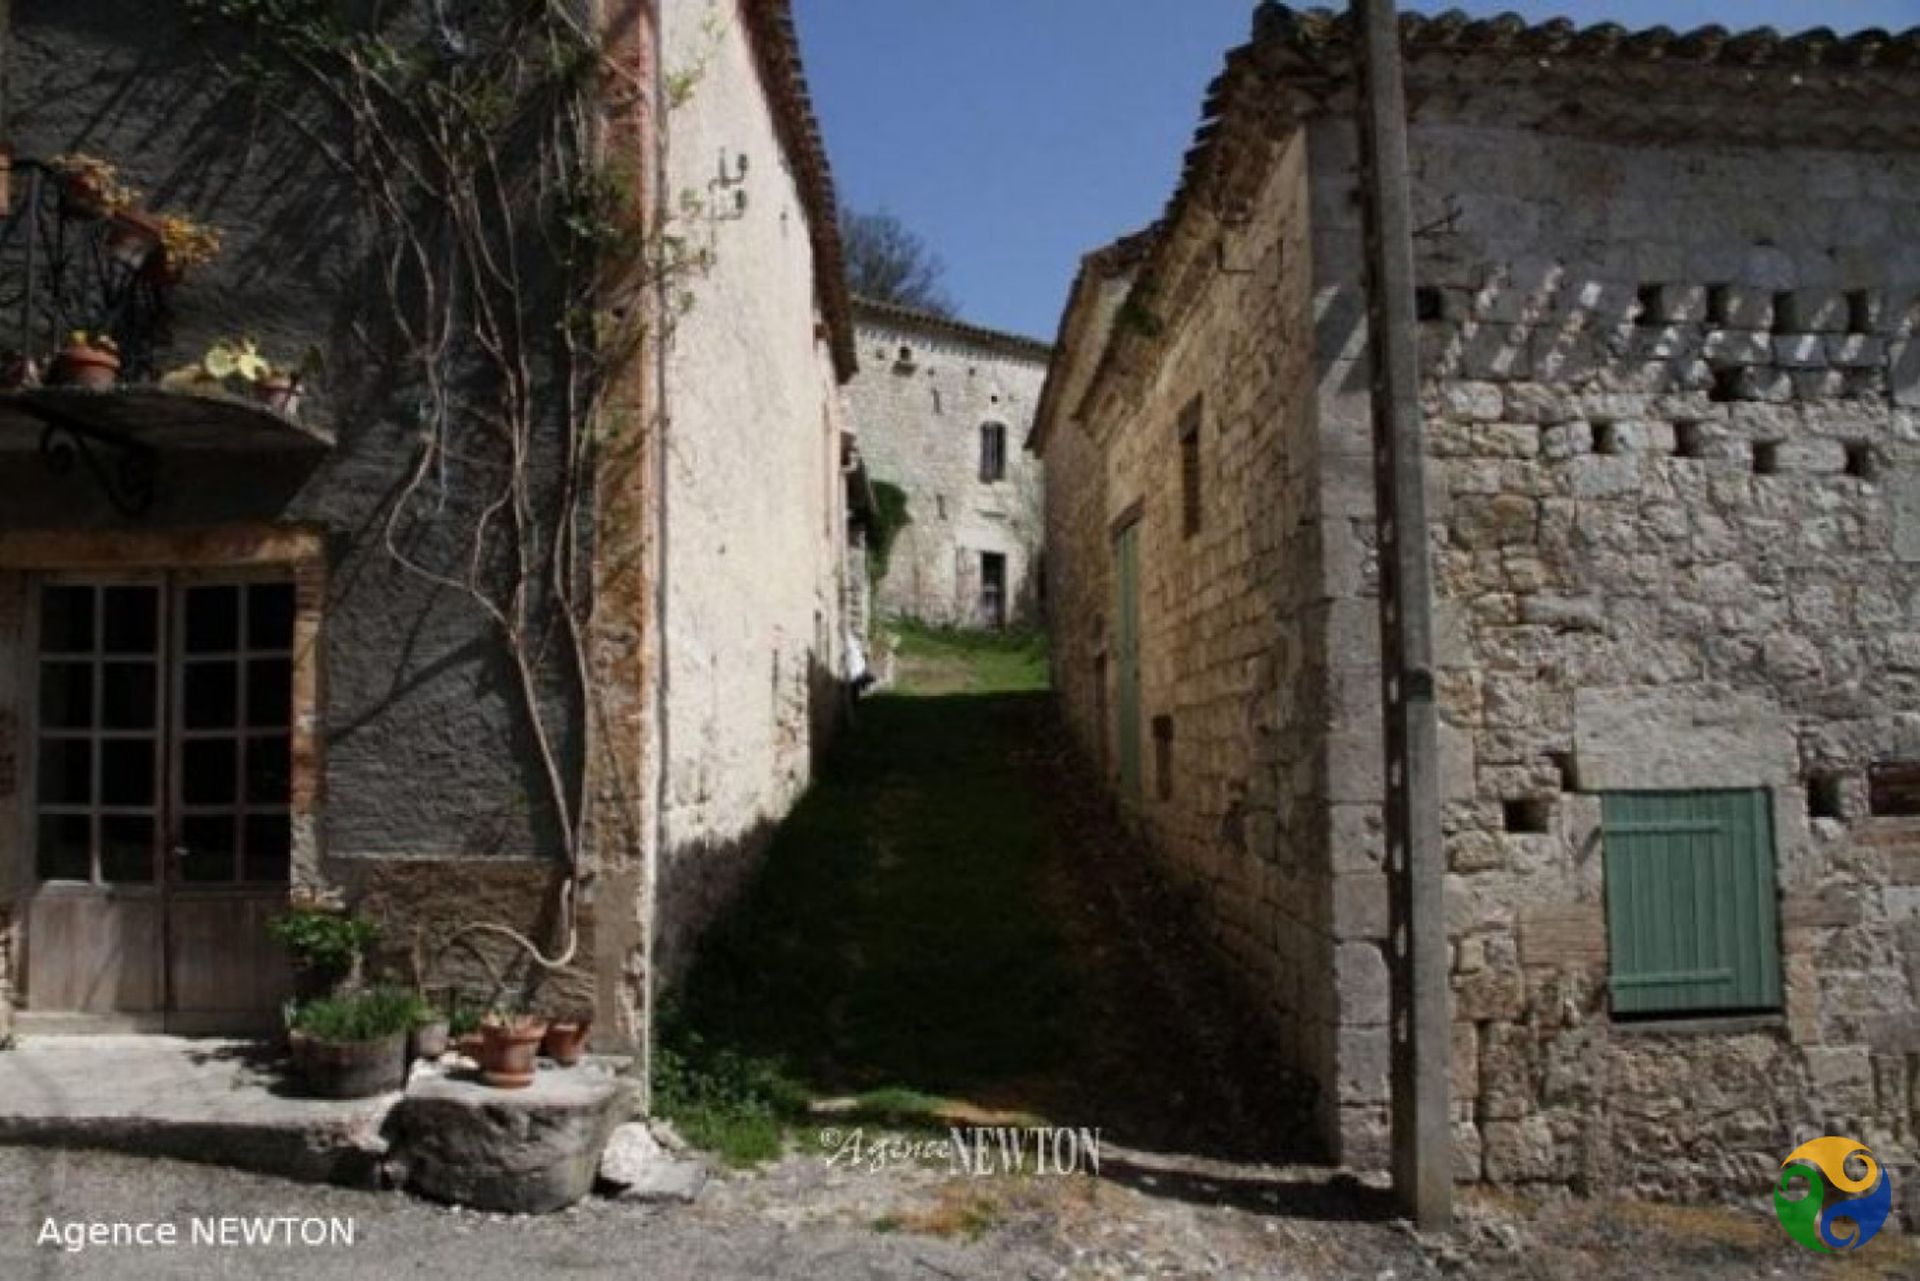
508, 1043
355, 1044
566, 1038
90, 188
236, 365
88, 360
326, 947
184, 244
463, 1025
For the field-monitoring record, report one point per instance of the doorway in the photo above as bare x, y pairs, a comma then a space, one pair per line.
160, 828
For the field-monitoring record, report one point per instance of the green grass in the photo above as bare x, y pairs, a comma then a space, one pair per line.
897, 945
938, 660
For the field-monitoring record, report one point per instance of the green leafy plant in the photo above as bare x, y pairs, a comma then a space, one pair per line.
890, 516
362, 1016
317, 939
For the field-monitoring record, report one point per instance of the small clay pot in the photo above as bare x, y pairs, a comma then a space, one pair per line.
507, 1051
566, 1041
134, 238
281, 395
88, 367
471, 1044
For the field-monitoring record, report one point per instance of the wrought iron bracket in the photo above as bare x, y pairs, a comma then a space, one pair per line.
125, 470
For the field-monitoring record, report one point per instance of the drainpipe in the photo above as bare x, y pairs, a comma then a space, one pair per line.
662, 679
1417, 935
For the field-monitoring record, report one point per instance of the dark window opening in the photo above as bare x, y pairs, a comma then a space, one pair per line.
1689, 440
1190, 497
1726, 386
1428, 303
1826, 796
1766, 457
1860, 311
1786, 313
1563, 765
1653, 308
1893, 790
1163, 757
1606, 439
1528, 815
993, 452
1719, 304
1860, 460
993, 589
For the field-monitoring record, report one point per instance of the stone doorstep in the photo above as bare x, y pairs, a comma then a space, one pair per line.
220, 1102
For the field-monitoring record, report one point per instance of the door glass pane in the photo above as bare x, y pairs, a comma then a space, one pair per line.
66, 771
131, 620
207, 771
210, 696
268, 841
270, 616
66, 695
65, 848
126, 771
268, 772
66, 620
209, 845
269, 693
213, 619
127, 696
126, 849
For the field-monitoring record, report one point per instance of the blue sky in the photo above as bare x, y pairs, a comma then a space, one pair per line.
1015, 135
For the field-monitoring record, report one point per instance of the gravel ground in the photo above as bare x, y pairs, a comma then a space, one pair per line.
801, 1217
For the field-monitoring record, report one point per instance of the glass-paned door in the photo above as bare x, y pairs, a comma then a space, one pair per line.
162, 791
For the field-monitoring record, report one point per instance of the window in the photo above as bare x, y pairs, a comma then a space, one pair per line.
1893, 789
1691, 918
993, 589
1190, 468
993, 452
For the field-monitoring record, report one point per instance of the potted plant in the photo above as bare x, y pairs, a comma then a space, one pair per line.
463, 1025
508, 1043
566, 1039
90, 188
184, 244
354, 1045
236, 365
88, 360
326, 947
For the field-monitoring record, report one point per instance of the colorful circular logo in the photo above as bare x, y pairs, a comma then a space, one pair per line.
1823, 1205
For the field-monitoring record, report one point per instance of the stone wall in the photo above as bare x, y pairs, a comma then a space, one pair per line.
919, 420
1670, 393
755, 550
1233, 629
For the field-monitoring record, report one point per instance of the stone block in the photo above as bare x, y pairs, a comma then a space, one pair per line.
1472, 401
1728, 347
1360, 974
1496, 992
1365, 1058
1672, 304
1904, 361
1856, 351
1518, 1151
1812, 311
1800, 351
638, 1167
1741, 307
1636, 739
1496, 353
1827, 907
1570, 935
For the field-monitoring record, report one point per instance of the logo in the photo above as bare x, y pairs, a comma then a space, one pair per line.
1821, 1205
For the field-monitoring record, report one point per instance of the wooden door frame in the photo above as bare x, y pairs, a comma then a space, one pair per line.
296, 553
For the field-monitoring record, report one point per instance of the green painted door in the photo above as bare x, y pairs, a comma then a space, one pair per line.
1126, 553
1691, 919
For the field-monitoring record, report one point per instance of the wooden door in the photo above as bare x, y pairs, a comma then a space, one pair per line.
161, 822
1127, 656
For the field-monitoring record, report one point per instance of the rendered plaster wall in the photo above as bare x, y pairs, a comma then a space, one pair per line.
756, 517
425, 758
1672, 398
919, 420
1233, 630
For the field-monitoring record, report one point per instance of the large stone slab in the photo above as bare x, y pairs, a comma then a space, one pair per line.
638, 1167
1637, 739
528, 1151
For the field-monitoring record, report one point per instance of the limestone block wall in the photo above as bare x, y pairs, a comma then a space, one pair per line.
1233, 627
756, 517
1673, 403
919, 421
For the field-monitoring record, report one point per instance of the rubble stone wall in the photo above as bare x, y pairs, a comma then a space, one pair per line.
1673, 403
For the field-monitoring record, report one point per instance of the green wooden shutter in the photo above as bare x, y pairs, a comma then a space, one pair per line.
1690, 901
1127, 628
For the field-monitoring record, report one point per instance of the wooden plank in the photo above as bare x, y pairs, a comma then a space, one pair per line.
91, 953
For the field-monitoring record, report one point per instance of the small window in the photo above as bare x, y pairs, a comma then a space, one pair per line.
1163, 757
1691, 902
1860, 460
1428, 303
993, 452
993, 589
1860, 311
1607, 440
1528, 815
1689, 440
1766, 457
1190, 497
1826, 796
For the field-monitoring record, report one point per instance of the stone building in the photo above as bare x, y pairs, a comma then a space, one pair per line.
1671, 384
494, 635
942, 408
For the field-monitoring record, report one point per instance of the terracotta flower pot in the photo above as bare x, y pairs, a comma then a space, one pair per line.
88, 367
506, 1053
133, 238
281, 395
471, 1044
566, 1041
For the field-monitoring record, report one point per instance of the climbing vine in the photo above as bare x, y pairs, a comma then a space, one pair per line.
512, 266
890, 516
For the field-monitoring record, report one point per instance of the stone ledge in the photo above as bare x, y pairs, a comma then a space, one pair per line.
1712, 1025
